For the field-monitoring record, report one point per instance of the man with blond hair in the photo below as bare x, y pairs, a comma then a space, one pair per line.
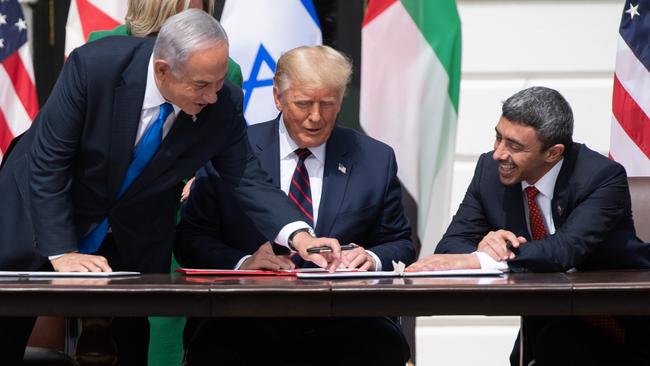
343, 182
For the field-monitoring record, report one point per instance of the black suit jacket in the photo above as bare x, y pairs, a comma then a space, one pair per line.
362, 205
63, 176
591, 213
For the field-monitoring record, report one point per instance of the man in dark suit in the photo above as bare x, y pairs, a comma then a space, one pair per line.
94, 184
351, 193
542, 203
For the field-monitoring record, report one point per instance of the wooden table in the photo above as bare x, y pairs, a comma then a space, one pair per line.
615, 292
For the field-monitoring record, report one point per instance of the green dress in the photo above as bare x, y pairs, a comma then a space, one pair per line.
166, 333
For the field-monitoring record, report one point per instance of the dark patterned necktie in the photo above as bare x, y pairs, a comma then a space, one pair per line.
300, 189
537, 227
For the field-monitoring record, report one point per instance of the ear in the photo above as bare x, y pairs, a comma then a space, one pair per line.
161, 69
554, 153
276, 98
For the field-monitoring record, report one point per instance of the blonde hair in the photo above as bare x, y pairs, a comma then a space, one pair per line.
313, 66
145, 17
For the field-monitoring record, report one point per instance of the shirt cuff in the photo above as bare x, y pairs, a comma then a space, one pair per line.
51, 257
287, 230
241, 261
377, 261
488, 262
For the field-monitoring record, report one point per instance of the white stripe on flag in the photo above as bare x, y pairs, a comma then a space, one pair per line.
633, 75
11, 106
625, 151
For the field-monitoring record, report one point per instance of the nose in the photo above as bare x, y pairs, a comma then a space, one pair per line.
314, 113
500, 152
210, 97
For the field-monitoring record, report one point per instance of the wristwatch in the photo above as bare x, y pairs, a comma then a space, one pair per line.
309, 231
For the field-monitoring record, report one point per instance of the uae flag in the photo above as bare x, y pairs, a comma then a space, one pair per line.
410, 78
85, 16
630, 137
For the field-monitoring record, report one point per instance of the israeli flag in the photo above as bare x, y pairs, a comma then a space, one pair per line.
259, 32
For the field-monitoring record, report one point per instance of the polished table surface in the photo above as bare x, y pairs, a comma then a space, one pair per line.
614, 292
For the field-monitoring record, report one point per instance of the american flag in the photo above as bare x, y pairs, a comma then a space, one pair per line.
18, 102
630, 137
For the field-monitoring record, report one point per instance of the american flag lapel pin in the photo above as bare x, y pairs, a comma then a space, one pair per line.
342, 168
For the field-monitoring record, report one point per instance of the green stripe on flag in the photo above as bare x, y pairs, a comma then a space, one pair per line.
440, 25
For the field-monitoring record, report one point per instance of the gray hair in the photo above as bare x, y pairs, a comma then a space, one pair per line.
313, 66
184, 33
545, 110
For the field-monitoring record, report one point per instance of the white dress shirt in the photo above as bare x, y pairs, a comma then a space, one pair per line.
315, 164
545, 185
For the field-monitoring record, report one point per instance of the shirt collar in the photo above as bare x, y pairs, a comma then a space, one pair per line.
546, 184
152, 96
288, 146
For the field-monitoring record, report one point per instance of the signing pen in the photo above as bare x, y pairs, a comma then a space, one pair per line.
316, 250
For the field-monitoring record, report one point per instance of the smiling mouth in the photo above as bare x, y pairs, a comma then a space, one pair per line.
507, 168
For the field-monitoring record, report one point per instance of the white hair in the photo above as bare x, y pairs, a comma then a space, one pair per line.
184, 33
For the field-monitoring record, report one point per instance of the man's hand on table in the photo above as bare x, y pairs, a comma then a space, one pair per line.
264, 258
359, 258
77, 262
444, 262
495, 244
331, 261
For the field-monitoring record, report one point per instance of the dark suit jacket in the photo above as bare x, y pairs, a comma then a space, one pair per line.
63, 176
591, 213
362, 205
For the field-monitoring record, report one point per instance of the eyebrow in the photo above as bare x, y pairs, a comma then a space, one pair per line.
508, 139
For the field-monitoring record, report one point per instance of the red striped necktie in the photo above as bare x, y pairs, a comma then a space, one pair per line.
300, 189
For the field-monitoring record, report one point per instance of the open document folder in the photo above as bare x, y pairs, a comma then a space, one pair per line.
398, 271
255, 272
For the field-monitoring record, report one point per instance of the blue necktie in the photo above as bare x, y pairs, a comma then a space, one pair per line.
142, 154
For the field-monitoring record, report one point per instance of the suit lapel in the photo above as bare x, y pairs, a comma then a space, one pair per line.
562, 192
126, 118
267, 149
335, 180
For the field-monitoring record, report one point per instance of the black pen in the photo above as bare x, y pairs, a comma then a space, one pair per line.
317, 250
511, 247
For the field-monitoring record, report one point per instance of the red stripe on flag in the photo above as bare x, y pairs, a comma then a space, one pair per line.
22, 83
376, 7
631, 117
93, 19
5, 133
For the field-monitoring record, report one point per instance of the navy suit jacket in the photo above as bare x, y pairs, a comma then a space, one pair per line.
63, 177
591, 213
362, 205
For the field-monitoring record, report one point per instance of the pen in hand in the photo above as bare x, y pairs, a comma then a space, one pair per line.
511, 247
318, 250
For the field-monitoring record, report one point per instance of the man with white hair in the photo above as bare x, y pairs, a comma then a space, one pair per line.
93, 185
343, 182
